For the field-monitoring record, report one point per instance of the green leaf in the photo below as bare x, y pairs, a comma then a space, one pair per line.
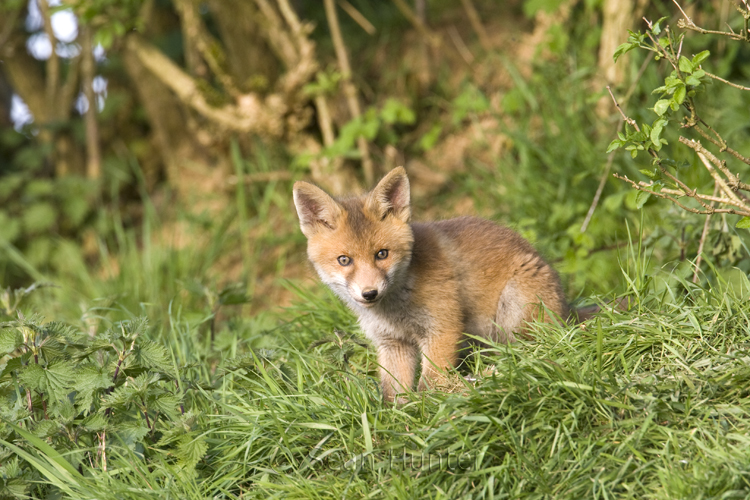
10, 340
649, 173
743, 223
614, 145
39, 217
394, 111
661, 106
191, 450
693, 80
655, 135
623, 49
641, 199
233, 294
685, 65
149, 354
32, 376
700, 57
679, 94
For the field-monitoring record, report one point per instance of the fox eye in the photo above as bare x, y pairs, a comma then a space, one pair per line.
382, 254
344, 260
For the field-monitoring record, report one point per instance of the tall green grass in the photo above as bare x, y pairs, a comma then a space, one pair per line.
651, 402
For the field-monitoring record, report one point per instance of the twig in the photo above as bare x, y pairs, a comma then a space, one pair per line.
349, 89
476, 24
720, 142
608, 167
704, 234
461, 47
692, 27
357, 17
103, 448
734, 181
417, 23
625, 117
709, 209
208, 47
654, 154
715, 77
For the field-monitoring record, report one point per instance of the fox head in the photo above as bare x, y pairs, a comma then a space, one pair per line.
360, 246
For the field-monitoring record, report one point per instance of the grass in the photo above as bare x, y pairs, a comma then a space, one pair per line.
646, 403
651, 402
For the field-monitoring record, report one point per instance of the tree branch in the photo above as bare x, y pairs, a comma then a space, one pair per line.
88, 69
349, 89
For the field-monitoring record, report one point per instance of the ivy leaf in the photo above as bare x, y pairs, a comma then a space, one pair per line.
743, 223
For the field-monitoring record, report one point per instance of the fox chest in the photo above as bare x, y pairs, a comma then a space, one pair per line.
408, 324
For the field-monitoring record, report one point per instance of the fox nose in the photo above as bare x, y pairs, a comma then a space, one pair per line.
370, 294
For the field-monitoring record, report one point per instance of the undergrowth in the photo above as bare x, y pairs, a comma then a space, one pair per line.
649, 402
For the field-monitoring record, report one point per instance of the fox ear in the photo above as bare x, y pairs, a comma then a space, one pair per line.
391, 196
315, 208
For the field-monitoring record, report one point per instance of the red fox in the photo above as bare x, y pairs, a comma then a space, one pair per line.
418, 287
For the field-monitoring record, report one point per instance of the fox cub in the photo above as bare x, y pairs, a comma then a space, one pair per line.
418, 287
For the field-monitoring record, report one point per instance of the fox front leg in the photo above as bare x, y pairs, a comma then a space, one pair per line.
397, 361
438, 354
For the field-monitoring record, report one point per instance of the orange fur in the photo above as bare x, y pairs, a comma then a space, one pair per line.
418, 287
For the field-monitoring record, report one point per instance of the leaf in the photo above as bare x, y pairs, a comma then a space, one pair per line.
394, 111
32, 376
641, 199
685, 65
700, 57
59, 379
661, 106
743, 223
191, 450
655, 135
679, 94
10, 340
614, 145
39, 217
233, 294
693, 80
149, 354
623, 49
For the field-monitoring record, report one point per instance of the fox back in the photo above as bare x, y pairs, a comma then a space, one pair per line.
418, 287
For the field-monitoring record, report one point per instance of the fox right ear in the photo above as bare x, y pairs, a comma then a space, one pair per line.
315, 208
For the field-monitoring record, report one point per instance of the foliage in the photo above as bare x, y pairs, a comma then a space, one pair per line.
645, 403
668, 174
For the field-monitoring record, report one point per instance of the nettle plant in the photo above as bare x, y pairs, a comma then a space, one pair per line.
86, 393
678, 105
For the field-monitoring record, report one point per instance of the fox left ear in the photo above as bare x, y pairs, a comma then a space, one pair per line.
391, 196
